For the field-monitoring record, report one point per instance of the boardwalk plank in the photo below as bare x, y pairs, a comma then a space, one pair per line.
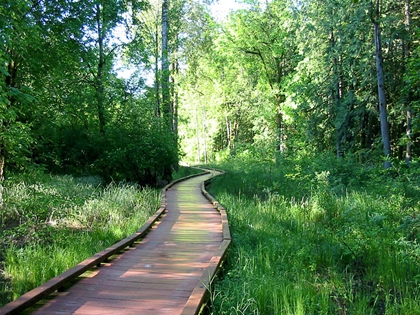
159, 274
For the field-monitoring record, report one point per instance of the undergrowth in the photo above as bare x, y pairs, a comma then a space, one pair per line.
319, 236
51, 223
184, 171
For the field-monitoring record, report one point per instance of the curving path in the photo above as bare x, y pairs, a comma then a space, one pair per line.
159, 274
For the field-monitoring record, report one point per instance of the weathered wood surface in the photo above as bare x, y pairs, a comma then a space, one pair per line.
166, 273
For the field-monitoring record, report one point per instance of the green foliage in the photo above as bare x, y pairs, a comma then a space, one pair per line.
312, 236
58, 114
291, 76
413, 86
184, 171
138, 147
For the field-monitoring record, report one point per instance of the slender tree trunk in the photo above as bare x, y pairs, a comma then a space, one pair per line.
12, 69
157, 74
165, 83
280, 98
174, 108
100, 70
274, 81
281, 145
197, 133
2, 163
175, 98
229, 133
336, 95
166, 99
279, 125
203, 124
408, 154
383, 113
10, 82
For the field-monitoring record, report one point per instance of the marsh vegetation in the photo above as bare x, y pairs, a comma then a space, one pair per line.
317, 236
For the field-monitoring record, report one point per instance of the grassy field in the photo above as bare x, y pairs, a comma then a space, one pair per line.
319, 237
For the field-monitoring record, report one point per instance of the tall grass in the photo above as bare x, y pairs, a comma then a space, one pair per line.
51, 223
184, 171
308, 240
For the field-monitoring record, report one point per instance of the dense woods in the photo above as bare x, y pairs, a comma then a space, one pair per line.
293, 77
277, 77
64, 107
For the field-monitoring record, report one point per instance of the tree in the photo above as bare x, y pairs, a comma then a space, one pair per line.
313, 61
19, 34
258, 45
267, 39
407, 54
381, 84
166, 100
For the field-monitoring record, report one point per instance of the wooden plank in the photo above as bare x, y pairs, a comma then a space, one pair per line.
167, 273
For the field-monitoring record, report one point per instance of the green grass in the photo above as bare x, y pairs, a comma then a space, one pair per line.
184, 171
342, 239
51, 223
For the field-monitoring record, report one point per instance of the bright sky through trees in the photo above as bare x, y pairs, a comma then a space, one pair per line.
222, 8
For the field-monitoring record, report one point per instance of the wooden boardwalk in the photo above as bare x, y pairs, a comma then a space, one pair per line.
159, 274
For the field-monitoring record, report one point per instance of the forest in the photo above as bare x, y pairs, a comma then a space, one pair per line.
310, 105
293, 77
277, 77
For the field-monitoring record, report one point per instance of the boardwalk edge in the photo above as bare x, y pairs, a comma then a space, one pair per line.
201, 293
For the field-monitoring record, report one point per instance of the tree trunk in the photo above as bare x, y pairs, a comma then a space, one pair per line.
336, 95
197, 133
383, 113
175, 101
10, 82
99, 74
279, 125
281, 146
203, 125
165, 83
166, 95
408, 154
157, 76
229, 133
2, 161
